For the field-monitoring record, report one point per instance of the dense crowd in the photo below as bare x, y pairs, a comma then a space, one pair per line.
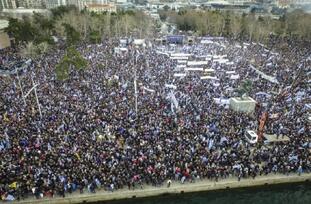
91, 137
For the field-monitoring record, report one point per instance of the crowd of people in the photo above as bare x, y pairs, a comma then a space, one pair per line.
91, 136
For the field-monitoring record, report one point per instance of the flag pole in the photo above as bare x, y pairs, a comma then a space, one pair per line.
136, 95
38, 104
21, 88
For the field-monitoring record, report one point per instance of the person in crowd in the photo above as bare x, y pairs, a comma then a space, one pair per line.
91, 136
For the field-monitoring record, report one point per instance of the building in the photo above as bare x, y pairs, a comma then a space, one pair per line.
120, 1
82, 4
32, 4
288, 3
7, 4
240, 2
20, 12
49, 4
99, 8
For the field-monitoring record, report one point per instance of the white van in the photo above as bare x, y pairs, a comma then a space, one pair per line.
251, 136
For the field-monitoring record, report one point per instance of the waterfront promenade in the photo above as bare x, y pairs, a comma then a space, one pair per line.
176, 188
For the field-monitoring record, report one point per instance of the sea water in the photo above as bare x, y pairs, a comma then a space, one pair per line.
299, 193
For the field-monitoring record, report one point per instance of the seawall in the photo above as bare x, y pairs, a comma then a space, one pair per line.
176, 188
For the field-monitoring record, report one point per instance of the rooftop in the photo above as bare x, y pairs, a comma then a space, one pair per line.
100, 5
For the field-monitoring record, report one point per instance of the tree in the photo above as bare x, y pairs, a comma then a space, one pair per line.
166, 8
45, 24
33, 51
251, 26
62, 69
95, 37
227, 26
244, 88
21, 30
235, 27
72, 36
58, 12
76, 59
72, 58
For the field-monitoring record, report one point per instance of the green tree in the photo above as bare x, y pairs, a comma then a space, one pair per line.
44, 23
58, 12
244, 88
33, 51
62, 69
76, 59
95, 37
163, 15
21, 30
72, 36
71, 59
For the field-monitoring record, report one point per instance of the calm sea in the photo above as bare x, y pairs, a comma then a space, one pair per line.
273, 194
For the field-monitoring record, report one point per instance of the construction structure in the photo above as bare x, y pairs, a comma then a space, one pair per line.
243, 104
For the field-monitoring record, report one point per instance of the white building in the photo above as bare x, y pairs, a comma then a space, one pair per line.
55, 3
31, 4
240, 2
120, 1
81, 4
288, 3
7, 4
20, 12
99, 8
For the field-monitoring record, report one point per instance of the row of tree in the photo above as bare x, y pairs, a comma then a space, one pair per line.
36, 34
90, 26
241, 26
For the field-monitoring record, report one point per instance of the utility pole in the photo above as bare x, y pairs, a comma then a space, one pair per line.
135, 85
136, 94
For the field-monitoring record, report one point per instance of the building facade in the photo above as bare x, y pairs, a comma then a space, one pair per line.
288, 3
7, 4
49, 4
31, 4
99, 8
240, 2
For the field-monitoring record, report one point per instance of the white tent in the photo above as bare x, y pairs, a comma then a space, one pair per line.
180, 55
236, 76
206, 42
172, 86
139, 41
182, 62
196, 63
194, 69
209, 77
180, 74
